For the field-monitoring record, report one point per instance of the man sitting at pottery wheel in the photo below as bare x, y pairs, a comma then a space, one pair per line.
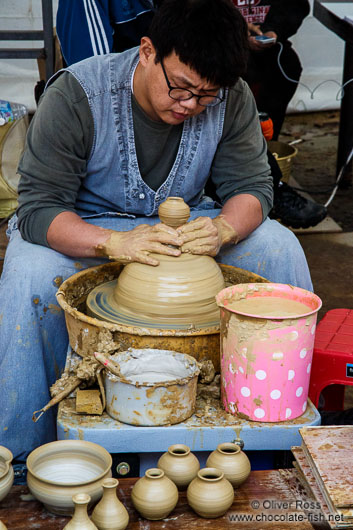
113, 137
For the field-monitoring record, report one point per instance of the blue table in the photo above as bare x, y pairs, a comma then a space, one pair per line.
208, 427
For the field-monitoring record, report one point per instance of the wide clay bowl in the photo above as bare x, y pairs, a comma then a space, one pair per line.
59, 470
6, 471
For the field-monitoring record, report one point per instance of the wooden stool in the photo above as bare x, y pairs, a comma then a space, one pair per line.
332, 366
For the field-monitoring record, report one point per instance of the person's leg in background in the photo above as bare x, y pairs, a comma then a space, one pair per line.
289, 207
273, 91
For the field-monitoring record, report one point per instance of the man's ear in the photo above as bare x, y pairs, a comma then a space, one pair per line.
147, 51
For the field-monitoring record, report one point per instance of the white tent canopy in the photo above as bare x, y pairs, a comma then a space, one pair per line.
320, 51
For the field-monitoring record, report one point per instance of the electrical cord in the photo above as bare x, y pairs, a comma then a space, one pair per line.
311, 91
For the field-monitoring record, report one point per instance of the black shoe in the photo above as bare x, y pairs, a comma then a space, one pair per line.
291, 209
340, 417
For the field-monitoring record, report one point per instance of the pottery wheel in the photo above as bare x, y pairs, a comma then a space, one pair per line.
177, 294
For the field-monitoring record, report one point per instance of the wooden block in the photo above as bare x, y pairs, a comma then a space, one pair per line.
89, 402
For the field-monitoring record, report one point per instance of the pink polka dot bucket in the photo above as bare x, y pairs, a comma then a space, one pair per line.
266, 355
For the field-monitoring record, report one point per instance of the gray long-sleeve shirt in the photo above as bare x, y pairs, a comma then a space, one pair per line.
60, 138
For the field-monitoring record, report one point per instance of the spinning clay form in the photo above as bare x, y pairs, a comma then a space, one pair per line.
177, 293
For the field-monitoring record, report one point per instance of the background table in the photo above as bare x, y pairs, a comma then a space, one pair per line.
202, 432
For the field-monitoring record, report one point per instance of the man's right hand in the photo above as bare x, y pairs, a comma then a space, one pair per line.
137, 244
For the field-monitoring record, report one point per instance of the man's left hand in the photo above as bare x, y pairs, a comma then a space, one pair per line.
206, 236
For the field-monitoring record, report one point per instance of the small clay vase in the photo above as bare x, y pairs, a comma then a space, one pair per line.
174, 212
210, 495
80, 519
229, 458
179, 464
110, 513
154, 495
2, 526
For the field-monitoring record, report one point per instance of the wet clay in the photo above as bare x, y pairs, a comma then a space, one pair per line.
269, 306
178, 293
174, 212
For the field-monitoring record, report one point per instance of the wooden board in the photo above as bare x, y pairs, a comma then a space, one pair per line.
329, 451
306, 475
19, 511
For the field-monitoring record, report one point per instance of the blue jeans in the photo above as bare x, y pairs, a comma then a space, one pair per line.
33, 336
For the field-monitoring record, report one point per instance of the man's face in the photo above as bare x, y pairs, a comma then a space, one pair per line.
152, 91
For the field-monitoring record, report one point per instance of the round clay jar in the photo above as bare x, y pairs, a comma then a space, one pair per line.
154, 495
179, 464
229, 458
174, 212
6, 471
210, 495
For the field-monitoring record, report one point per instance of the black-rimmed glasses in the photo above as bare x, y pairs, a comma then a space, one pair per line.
183, 94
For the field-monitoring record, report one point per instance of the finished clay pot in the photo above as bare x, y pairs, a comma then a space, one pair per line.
6, 471
210, 495
58, 470
80, 520
110, 513
154, 495
179, 464
229, 458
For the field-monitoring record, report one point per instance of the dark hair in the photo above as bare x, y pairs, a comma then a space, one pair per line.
210, 36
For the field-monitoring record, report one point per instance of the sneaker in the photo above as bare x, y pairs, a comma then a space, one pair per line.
293, 210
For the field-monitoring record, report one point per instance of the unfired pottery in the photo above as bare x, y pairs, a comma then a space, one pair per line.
110, 513
179, 292
6, 471
58, 470
229, 458
210, 494
2, 526
179, 464
156, 387
174, 212
80, 520
154, 495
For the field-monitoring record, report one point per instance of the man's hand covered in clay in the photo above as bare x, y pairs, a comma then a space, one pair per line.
137, 244
206, 236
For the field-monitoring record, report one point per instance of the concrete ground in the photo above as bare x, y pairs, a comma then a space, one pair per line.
328, 247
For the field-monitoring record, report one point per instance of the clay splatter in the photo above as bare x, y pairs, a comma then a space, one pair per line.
58, 281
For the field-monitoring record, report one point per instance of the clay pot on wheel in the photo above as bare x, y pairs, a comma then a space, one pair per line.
154, 495
179, 464
178, 293
229, 458
6, 471
80, 520
110, 513
210, 495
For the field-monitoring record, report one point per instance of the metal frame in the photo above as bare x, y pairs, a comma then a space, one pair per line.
45, 35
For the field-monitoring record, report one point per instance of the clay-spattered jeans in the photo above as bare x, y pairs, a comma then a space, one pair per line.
33, 337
